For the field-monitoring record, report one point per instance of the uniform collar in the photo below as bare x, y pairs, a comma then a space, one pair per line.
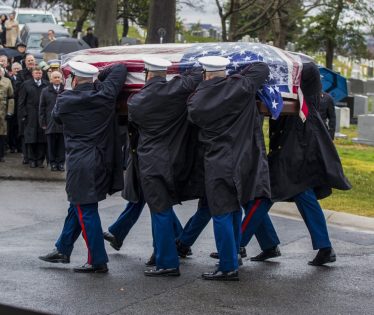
154, 80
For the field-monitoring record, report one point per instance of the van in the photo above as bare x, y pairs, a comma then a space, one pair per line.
26, 15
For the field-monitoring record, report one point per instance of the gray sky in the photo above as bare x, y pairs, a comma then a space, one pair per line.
209, 15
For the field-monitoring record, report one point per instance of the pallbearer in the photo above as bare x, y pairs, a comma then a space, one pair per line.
93, 159
304, 167
164, 157
235, 165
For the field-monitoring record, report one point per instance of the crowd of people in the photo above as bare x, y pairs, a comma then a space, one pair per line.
28, 94
197, 136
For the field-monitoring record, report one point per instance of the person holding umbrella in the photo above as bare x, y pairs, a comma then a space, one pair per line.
65, 45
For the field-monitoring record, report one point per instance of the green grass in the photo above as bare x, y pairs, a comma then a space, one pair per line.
358, 165
133, 32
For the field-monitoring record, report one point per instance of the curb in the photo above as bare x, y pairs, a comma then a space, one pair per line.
32, 179
335, 218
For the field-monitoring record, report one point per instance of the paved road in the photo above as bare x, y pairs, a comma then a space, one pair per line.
31, 216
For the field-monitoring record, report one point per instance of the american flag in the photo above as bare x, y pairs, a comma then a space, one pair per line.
283, 81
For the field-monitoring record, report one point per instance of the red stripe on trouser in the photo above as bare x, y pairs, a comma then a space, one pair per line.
250, 214
84, 233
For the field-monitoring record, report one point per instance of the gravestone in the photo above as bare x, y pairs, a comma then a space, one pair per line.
348, 102
360, 105
370, 86
342, 121
356, 86
365, 130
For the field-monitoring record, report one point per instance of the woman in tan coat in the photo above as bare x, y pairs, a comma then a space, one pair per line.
12, 31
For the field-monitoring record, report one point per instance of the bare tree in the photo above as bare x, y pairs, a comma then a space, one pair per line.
106, 22
161, 21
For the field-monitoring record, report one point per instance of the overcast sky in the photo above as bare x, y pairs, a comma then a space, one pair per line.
209, 15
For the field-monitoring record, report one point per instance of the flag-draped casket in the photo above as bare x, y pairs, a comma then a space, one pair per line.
280, 94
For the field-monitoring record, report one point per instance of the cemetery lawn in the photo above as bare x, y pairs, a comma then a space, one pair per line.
358, 164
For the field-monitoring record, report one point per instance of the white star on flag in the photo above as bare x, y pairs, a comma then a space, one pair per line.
277, 88
223, 52
235, 64
199, 47
271, 77
205, 52
275, 104
191, 59
271, 90
242, 52
248, 58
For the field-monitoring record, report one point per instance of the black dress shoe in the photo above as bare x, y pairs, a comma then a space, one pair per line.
55, 257
33, 164
324, 256
87, 268
112, 240
183, 251
61, 168
242, 253
151, 261
221, 276
267, 254
40, 165
54, 168
172, 272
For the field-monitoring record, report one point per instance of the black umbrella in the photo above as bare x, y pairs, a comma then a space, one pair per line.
65, 45
9, 52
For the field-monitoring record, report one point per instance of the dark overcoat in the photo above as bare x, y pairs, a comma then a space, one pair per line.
302, 154
164, 151
327, 112
47, 102
235, 163
28, 103
93, 150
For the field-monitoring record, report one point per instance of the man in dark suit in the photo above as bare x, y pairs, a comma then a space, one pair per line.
93, 159
28, 99
90, 38
53, 131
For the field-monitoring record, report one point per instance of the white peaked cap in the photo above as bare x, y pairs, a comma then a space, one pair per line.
214, 63
156, 64
82, 69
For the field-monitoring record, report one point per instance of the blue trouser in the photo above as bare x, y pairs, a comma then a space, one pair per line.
85, 219
256, 214
195, 226
227, 236
314, 219
130, 216
163, 228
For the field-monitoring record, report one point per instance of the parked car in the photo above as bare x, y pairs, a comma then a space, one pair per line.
33, 33
5, 9
26, 15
